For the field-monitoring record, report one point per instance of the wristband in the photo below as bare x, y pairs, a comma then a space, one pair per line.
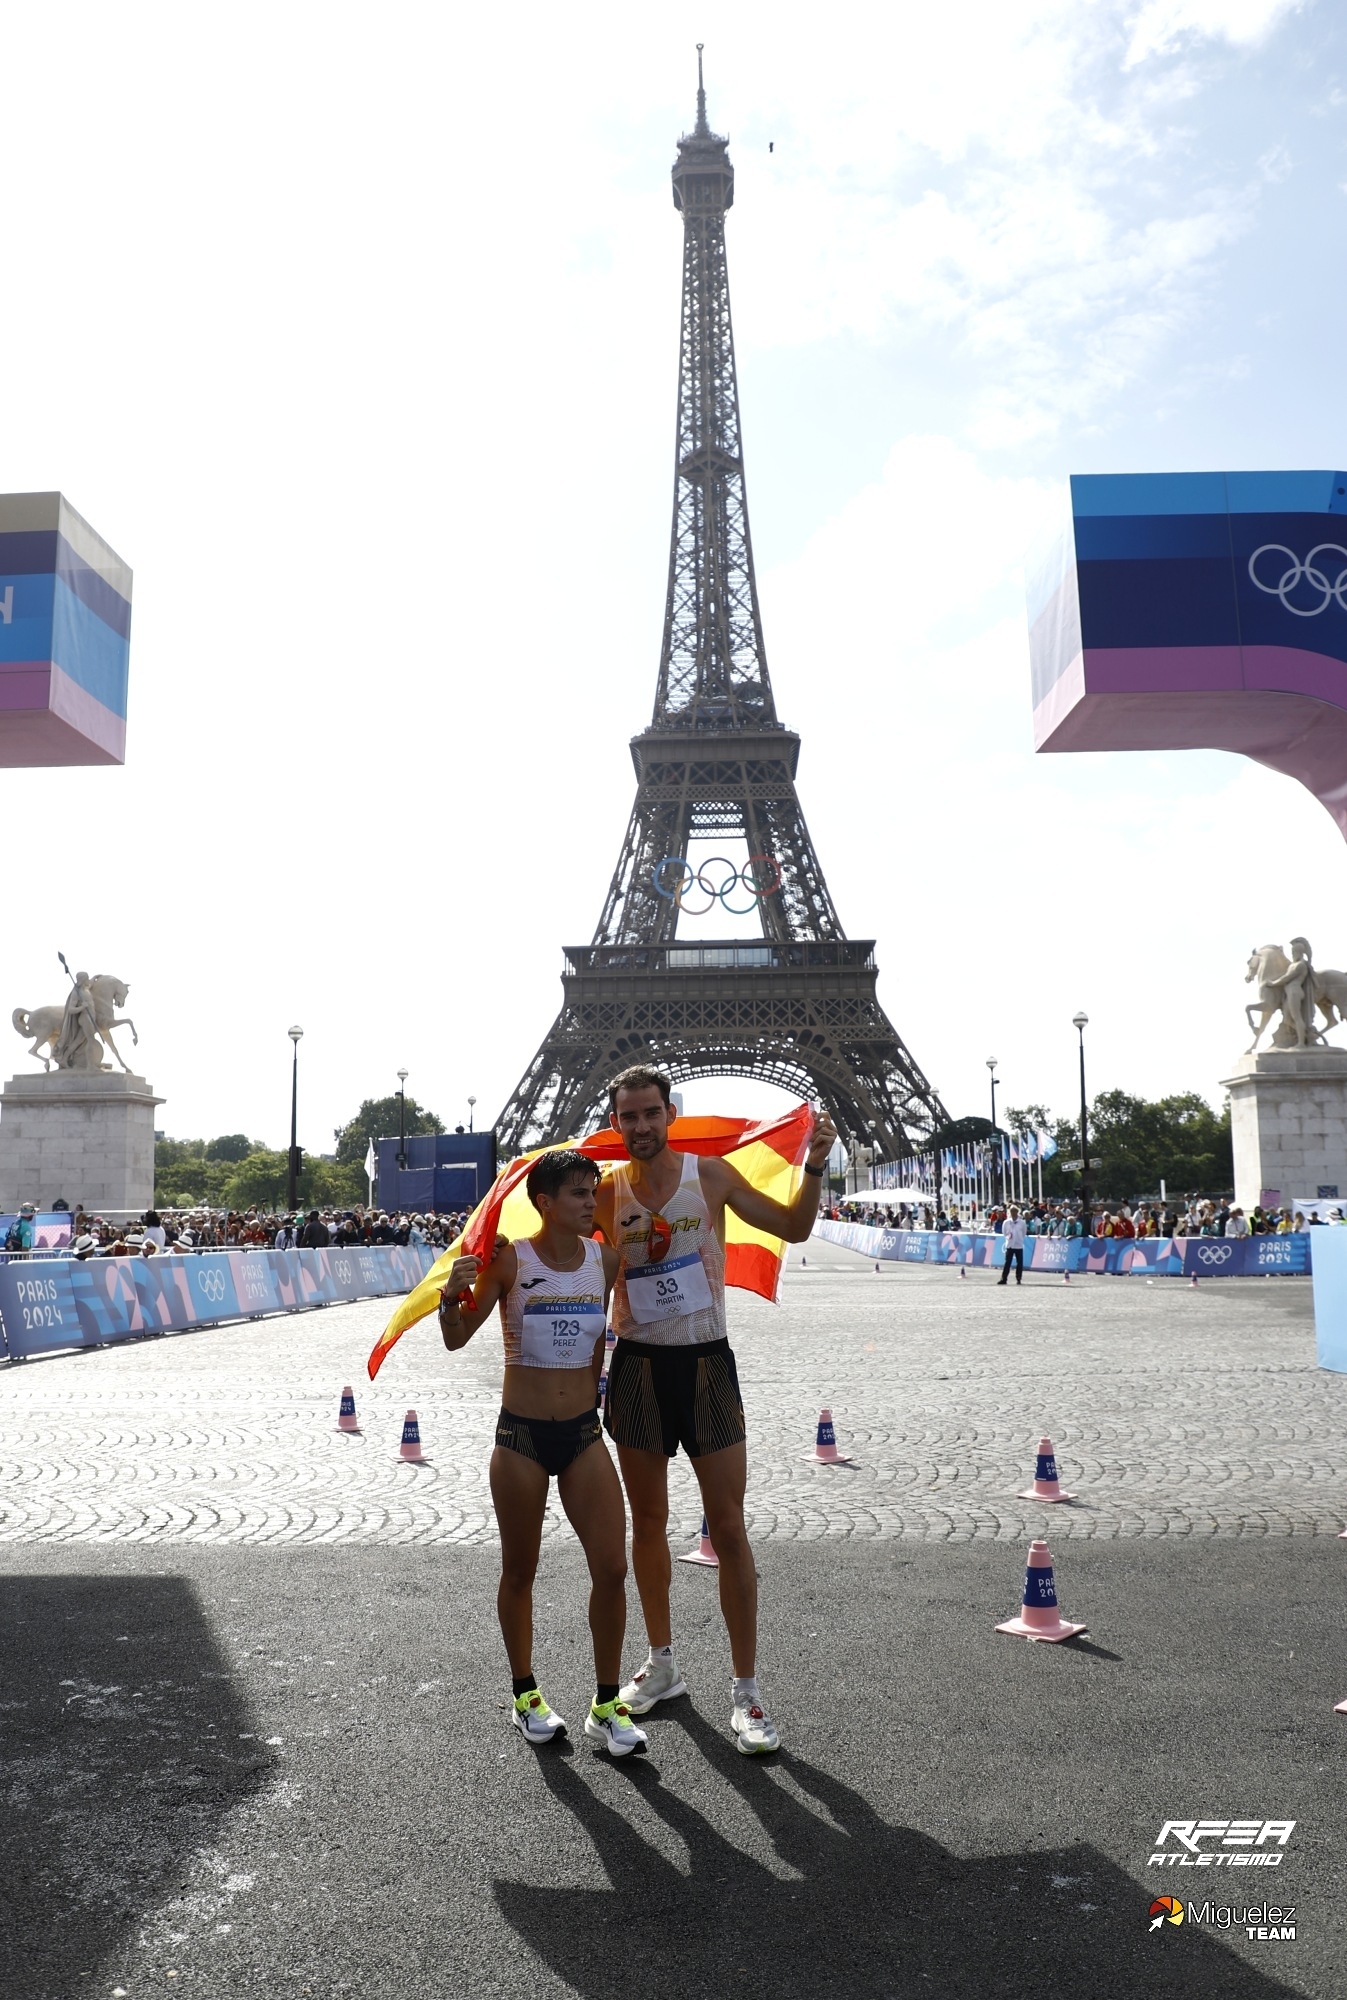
816, 1171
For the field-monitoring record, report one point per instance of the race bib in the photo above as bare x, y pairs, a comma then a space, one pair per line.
560, 1333
668, 1290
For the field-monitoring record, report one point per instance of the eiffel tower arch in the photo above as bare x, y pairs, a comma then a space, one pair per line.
795, 1005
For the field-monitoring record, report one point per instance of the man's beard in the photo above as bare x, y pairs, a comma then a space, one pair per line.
645, 1146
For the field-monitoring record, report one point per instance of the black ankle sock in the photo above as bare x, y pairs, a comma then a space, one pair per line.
607, 1691
523, 1684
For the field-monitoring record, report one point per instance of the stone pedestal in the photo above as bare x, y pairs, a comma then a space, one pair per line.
1288, 1118
84, 1134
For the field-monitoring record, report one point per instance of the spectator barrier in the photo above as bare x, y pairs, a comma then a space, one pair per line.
1330, 1300
1142, 1256
60, 1302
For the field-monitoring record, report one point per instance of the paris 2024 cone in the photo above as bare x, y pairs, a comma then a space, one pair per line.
346, 1417
1046, 1486
703, 1553
825, 1450
1039, 1616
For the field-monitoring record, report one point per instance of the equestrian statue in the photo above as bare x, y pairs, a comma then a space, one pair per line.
1293, 987
76, 1034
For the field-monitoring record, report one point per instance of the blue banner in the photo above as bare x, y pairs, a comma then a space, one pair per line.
1116, 1256
50, 1303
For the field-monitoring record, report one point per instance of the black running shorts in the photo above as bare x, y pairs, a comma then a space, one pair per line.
661, 1397
554, 1443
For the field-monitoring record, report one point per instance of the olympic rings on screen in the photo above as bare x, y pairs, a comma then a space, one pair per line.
760, 876
1305, 572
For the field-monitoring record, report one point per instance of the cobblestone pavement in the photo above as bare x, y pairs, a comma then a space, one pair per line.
1175, 1411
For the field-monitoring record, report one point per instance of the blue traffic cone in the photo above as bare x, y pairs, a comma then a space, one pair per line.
703, 1553
1039, 1616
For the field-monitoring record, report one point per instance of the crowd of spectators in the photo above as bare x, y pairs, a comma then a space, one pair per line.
1192, 1217
184, 1232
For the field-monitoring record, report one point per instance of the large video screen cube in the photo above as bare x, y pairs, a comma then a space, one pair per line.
1199, 610
65, 636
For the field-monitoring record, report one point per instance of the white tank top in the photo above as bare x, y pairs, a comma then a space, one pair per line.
679, 1299
551, 1319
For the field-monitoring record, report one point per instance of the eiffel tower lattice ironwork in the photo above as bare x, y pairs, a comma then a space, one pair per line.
795, 1006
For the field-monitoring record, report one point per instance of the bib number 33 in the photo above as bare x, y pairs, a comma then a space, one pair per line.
667, 1291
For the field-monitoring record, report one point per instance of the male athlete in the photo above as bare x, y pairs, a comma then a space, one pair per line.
672, 1378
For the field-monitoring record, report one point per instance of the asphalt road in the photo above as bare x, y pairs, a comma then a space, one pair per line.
233, 1770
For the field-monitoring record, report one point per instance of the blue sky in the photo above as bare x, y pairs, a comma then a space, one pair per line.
356, 334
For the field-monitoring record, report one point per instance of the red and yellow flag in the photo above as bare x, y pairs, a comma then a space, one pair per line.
769, 1154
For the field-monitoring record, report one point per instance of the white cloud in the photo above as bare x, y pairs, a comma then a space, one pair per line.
1160, 26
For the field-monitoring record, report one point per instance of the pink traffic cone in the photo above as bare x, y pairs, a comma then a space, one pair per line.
876, 1268
346, 1419
703, 1553
1039, 1616
1066, 1277
1340, 1708
803, 1263
963, 1270
1045, 1486
825, 1450
1343, 1536
410, 1448
1193, 1281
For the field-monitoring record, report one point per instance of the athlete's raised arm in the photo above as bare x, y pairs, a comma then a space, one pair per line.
459, 1323
792, 1221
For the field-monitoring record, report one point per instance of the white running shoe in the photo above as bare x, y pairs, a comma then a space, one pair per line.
754, 1730
534, 1720
658, 1680
612, 1725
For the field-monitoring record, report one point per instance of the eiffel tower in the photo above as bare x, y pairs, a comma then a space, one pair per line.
796, 1005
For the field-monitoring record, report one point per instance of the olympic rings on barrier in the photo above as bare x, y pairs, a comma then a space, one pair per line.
751, 877
1303, 572
211, 1285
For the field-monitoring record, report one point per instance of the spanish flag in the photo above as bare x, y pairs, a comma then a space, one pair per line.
768, 1155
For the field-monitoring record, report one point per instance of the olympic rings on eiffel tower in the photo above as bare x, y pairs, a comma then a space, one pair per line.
760, 876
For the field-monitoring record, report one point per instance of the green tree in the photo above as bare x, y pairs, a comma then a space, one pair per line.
259, 1181
377, 1118
234, 1146
1180, 1140
331, 1184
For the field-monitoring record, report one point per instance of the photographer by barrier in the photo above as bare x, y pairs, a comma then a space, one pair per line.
1141, 1256
62, 1302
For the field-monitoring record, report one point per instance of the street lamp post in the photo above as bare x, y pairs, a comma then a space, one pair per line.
1080, 1022
292, 1177
995, 1141
471, 1103
402, 1120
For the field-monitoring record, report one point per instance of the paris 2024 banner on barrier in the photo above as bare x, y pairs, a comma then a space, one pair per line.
1115, 1256
56, 1302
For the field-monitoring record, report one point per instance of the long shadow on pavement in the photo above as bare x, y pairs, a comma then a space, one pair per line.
122, 1746
880, 1911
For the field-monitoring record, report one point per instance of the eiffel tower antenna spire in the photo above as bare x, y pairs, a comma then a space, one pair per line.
795, 1005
